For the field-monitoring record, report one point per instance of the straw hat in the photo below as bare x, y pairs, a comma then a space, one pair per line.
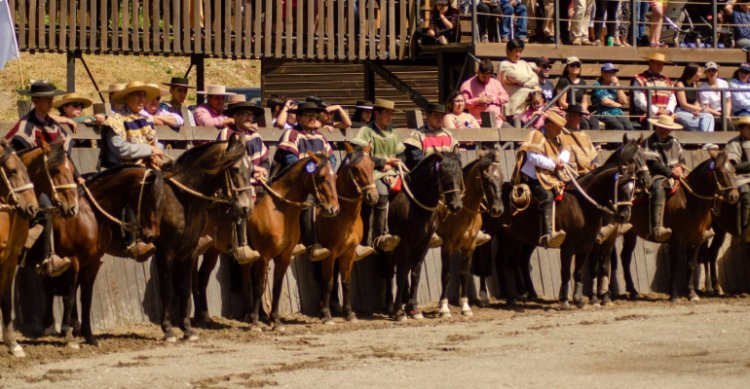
236, 99
116, 87
215, 90
363, 104
554, 117
665, 121
162, 92
386, 104
742, 120
658, 57
72, 98
439, 108
41, 88
245, 106
152, 91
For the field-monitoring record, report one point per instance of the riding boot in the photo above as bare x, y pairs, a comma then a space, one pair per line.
435, 241
243, 253
52, 265
138, 249
659, 233
383, 241
362, 252
550, 238
314, 251
745, 215
482, 238
606, 232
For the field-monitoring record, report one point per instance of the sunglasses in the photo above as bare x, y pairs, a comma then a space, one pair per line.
546, 67
75, 105
574, 65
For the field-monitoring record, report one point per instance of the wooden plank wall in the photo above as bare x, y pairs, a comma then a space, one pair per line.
312, 29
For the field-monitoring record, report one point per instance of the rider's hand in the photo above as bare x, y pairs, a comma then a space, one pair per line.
677, 172
260, 172
156, 151
559, 164
81, 180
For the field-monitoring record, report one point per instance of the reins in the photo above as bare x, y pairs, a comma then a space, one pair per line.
11, 201
52, 185
123, 224
360, 189
410, 194
720, 188
278, 196
482, 208
611, 211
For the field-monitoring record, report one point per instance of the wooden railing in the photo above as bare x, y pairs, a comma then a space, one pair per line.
308, 29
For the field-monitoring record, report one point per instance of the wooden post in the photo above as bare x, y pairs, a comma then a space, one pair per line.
488, 119
200, 71
369, 83
414, 118
71, 74
444, 83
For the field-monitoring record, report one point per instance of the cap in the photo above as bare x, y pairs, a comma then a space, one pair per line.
712, 65
608, 67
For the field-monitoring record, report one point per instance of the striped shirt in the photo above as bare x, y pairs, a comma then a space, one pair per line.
432, 140
133, 127
29, 131
296, 142
257, 151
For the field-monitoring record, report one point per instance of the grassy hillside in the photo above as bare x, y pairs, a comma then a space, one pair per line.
108, 69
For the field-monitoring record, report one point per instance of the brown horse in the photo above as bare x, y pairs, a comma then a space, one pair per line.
94, 231
483, 179
412, 216
725, 220
274, 227
52, 172
18, 206
688, 214
342, 233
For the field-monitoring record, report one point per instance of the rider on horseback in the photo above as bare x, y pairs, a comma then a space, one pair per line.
300, 139
387, 153
244, 115
29, 132
540, 158
738, 152
129, 137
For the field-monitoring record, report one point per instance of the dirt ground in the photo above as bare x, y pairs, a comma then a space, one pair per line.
648, 343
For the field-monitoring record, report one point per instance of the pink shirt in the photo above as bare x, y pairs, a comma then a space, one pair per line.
207, 117
526, 117
472, 88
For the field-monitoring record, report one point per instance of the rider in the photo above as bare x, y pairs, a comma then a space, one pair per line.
129, 137
539, 159
244, 115
387, 152
28, 133
738, 151
300, 139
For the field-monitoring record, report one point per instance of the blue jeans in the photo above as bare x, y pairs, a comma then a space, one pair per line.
641, 9
508, 11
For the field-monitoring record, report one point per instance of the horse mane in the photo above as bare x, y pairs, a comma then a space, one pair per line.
226, 153
354, 157
449, 162
487, 159
104, 174
323, 161
623, 153
57, 154
7, 151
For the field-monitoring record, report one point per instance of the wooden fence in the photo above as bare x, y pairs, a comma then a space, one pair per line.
127, 292
308, 29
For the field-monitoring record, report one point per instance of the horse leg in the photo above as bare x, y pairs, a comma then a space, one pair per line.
604, 274
184, 279
201, 277
165, 268
48, 317
334, 303
258, 272
87, 294
692, 261
713, 256
279, 271
402, 275
675, 257
566, 259
413, 288
626, 256
68, 304
6, 306
507, 263
445, 277
481, 256
465, 279
345, 268
326, 286
524, 271
595, 264
581, 258
388, 272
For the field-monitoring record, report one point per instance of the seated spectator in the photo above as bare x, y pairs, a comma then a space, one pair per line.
608, 103
518, 77
534, 113
484, 93
275, 103
738, 14
178, 89
741, 99
286, 119
711, 100
161, 115
362, 113
543, 69
457, 117
443, 24
663, 102
689, 112
210, 113
571, 75
518, 9
71, 106
114, 88
488, 25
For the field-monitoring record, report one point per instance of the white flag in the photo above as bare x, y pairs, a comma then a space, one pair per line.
8, 43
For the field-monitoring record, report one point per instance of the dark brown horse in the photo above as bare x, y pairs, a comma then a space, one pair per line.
725, 221
274, 227
342, 233
688, 214
412, 216
97, 230
483, 180
17, 207
193, 181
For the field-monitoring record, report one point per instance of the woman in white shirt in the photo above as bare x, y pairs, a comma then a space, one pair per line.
457, 116
710, 100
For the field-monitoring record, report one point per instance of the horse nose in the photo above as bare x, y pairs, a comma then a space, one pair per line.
246, 211
454, 206
371, 198
497, 210
333, 211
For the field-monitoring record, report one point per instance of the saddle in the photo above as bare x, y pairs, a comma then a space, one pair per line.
670, 184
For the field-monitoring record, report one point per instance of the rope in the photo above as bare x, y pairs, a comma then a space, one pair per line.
276, 195
214, 199
106, 214
410, 194
698, 195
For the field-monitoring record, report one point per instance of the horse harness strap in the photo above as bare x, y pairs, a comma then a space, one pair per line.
278, 196
52, 185
411, 195
12, 198
360, 189
98, 207
704, 197
195, 193
583, 193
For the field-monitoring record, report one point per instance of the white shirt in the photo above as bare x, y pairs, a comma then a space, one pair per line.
740, 99
534, 160
713, 98
639, 98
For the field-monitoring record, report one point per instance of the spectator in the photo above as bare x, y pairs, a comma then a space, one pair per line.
362, 113
608, 103
114, 88
518, 9
571, 75
210, 113
457, 117
623, 28
663, 102
286, 119
579, 31
547, 35
275, 103
608, 7
443, 23
543, 69
711, 100
484, 93
518, 78
159, 114
178, 89
534, 111
487, 13
71, 106
689, 111
641, 9
741, 100
739, 15
657, 21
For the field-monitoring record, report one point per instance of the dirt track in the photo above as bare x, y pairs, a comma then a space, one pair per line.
643, 344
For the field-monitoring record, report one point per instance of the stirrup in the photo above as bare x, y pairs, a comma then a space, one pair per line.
386, 243
606, 232
34, 234
245, 255
54, 266
482, 238
552, 240
362, 252
298, 249
317, 253
204, 242
624, 228
660, 234
708, 234
141, 251
435, 241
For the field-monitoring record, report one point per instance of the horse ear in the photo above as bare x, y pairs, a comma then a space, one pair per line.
314, 157
721, 158
349, 148
45, 146
625, 138
481, 153
641, 140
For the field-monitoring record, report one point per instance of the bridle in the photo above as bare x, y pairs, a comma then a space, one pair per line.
485, 203
612, 206
717, 195
441, 191
56, 188
300, 204
11, 199
123, 224
233, 191
357, 185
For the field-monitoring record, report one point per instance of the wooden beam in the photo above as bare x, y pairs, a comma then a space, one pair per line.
397, 83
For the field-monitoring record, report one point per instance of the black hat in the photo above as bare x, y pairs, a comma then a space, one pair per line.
316, 100
274, 101
364, 104
245, 106
178, 81
544, 61
41, 88
435, 108
576, 108
307, 106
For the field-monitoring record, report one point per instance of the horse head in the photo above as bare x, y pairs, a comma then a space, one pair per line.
360, 169
723, 173
450, 179
323, 181
16, 188
632, 150
60, 183
238, 180
491, 181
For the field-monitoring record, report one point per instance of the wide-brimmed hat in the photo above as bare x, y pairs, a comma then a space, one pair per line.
544, 61
665, 121
658, 57
307, 106
72, 98
431, 107
554, 117
385, 104
114, 88
215, 90
162, 92
364, 104
152, 91
711, 65
576, 108
236, 99
741, 121
41, 88
178, 81
316, 100
244, 106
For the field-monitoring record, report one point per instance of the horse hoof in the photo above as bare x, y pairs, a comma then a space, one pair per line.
351, 317
17, 351
467, 313
580, 304
564, 305
446, 315
695, 298
634, 296
50, 331
400, 318
171, 339
674, 299
73, 345
256, 328
416, 315
329, 322
92, 342
191, 338
278, 328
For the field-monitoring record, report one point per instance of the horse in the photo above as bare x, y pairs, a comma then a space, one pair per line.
192, 183
97, 230
483, 181
18, 206
725, 222
580, 213
413, 216
342, 233
274, 227
52, 172
688, 214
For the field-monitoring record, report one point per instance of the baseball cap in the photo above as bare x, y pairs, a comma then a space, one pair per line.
712, 65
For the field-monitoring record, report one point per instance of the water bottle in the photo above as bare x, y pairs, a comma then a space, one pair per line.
610, 41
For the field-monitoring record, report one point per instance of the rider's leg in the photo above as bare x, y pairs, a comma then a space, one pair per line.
315, 251
52, 265
549, 238
659, 233
243, 253
745, 212
382, 240
137, 248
